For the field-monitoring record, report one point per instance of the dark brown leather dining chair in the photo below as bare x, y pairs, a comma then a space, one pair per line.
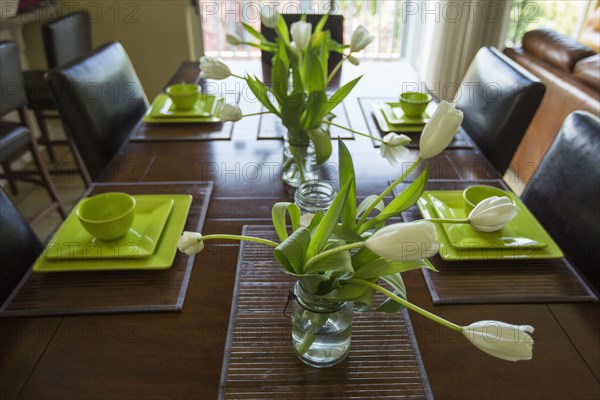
65, 39
334, 24
101, 101
564, 192
19, 246
498, 98
18, 137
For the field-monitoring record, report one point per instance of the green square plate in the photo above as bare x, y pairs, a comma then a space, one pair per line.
522, 231
72, 241
449, 252
386, 127
207, 110
162, 258
394, 115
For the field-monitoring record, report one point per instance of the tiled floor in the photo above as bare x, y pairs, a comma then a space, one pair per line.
32, 198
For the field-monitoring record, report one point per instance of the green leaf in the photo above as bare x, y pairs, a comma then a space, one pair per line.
314, 103
366, 203
346, 234
255, 33
347, 176
389, 305
278, 213
337, 262
322, 142
316, 220
292, 109
312, 72
321, 24
293, 248
382, 267
282, 29
280, 76
339, 96
297, 78
260, 91
347, 292
322, 233
404, 200
363, 257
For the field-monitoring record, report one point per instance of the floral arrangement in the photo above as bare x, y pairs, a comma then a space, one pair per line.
305, 104
343, 253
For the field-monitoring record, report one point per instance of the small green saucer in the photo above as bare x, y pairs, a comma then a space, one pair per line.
206, 110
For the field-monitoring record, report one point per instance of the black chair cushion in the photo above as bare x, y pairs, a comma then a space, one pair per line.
12, 93
101, 102
13, 139
19, 247
38, 92
565, 191
499, 98
67, 38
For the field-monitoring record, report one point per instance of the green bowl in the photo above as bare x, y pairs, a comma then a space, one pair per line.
414, 103
475, 194
107, 216
183, 95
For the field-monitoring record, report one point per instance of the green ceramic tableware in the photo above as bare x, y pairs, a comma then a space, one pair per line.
414, 103
184, 95
474, 194
107, 216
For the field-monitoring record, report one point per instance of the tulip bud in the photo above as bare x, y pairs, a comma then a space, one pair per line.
230, 112
440, 130
190, 243
233, 39
269, 16
405, 241
502, 340
213, 69
353, 60
393, 148
301, 32
360, 39
492, 214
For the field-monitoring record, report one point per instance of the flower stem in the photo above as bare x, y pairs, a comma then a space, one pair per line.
336, 69
407, 304
448, 221
353, 131
241, 238
388, 191
325, 254
257, 113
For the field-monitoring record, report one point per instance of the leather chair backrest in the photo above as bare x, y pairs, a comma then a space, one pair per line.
12, 90
334, 24
19, 247
101, 101
564, 192
499, 98
67, 38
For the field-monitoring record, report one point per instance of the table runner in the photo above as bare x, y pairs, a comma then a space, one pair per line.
259, 360
460, 140
270, 126
500, 281
42, 294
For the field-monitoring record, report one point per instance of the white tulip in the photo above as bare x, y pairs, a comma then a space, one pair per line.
360, 39
405, 241
306, 219
393, 148
353, 60
190, 243
269, 16
492, 214
301, 32
230, 112
502, 340
233, 39
212, 68
440, 130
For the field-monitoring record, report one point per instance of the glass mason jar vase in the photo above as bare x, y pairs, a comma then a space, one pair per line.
299, 160
312, 196
321, 329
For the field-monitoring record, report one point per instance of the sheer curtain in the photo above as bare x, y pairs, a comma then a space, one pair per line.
454, 31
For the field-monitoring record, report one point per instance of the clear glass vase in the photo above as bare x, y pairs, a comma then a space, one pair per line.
299, 160
321, 329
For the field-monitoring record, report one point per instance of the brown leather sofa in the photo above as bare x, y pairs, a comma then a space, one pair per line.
571, 73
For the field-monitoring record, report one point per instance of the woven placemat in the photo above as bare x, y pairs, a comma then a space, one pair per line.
366, 105
259, 360
63, 293
500, 281
270, 126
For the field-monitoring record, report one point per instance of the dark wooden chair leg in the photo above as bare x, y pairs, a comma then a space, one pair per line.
45, 139
11, 182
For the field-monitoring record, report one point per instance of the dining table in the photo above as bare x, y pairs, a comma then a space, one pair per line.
183, 354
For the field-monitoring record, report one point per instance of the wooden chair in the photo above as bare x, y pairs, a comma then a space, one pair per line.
99, 124
564, 192
499, 99
17, 138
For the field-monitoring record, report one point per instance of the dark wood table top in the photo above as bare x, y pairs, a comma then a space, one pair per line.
179, 355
